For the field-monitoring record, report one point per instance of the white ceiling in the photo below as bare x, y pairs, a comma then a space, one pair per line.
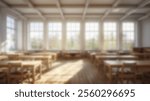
49, 10
43, 2
95, 10
14, 1
73, 10
103, 2
77, 7
131, 2
72, 2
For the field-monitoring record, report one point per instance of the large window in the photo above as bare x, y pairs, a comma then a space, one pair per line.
73, 32
91, 35
54, 35
110, 36
128, 35
11, 34
36, 35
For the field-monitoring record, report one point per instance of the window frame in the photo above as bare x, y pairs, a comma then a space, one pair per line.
134, 35
61, 34
29, 39
98, 35
66, 45
82, 34
15, 32
117, 35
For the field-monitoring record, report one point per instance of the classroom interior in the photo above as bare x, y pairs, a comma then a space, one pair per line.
74, 41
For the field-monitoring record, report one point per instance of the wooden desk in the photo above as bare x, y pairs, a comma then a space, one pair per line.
142, 55
115, 57
92, 56
73, 54
33, 66
46, 60
53, 56
110, 64
13, 56
100, 58
3, 58
95, 54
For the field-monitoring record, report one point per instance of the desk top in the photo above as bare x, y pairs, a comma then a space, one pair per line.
35, 57
116, 57
141, 54
115, 63
23, 63
3, 57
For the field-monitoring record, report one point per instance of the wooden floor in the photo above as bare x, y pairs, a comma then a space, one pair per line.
79, 71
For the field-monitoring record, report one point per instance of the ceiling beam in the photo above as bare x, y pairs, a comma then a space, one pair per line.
144, 3
60, 9
106, 14
144, 17
12, 10
109, 10
78, 6
37, 11
73, 6
147, 15
141, 5
85, 9
116, 3
55, 15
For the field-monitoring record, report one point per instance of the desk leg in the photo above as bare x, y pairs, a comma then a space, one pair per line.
40, 71
47, 63
104, 68
8, 76
33, 75
110, 74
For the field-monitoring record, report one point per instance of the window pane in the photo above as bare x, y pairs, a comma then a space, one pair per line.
36, 35
110, 36
73, 30
128, 35
11, 34
55, 35
91, 35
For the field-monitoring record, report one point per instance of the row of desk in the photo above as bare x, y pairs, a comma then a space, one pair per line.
100, 59
72, 55
35, 67
142, 66
110, 61
36, 63
3, 58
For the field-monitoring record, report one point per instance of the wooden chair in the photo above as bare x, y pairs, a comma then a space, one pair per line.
146, 78
17, 74
113, 76
13, 56
128, 73
3, 75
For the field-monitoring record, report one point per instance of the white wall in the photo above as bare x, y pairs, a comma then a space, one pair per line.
145, 33
4, 12
2, 30
22, 32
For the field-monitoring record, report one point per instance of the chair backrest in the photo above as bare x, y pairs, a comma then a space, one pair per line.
15, 67
13, 57
129, 67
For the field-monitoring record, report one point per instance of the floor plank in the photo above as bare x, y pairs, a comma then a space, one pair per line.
79, 71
